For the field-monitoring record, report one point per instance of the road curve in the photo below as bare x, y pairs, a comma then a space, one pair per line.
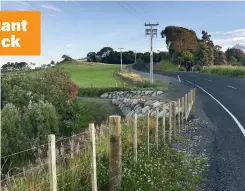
227, 170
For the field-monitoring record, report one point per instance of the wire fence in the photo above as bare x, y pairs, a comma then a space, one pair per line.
99, 158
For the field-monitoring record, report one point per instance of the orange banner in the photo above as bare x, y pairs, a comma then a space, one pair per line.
20, 33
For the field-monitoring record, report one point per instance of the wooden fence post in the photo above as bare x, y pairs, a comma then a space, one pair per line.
170, 123
115, 153
174, 119
178, 115
135, 137
189, 98
183, 111
193, 98
164, 123
186, 107
52, 163
156, 132
93, 164
148, 132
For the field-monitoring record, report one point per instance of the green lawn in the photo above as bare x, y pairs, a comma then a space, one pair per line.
87, 73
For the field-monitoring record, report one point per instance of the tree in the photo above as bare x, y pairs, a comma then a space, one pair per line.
52, 63
179, 39
236, 53
104, 52
66, 58
206, 37
113, 58
187, 56
219, 56
91, 57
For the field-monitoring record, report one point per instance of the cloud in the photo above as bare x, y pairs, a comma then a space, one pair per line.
236, 32
229, 40
50, 7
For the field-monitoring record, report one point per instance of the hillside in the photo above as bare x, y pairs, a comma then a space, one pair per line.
87, 73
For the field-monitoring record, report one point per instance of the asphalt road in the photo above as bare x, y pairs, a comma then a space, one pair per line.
227, 170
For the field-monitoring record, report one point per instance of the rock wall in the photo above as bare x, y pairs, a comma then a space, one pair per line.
131, 102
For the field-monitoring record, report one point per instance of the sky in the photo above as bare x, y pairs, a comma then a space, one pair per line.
77, 27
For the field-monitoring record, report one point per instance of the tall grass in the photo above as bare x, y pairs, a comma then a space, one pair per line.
227, 70
167, 66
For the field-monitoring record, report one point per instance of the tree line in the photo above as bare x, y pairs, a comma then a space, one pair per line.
183, 47
183, 44
110, 56
12, 66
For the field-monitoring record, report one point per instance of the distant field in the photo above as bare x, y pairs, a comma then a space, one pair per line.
88, 73
226, 70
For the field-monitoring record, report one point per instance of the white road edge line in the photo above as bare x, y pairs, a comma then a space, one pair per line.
179, 78
231, 87
232, 116
208, 80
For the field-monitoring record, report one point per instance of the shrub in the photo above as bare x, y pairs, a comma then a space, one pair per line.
40, 119
75, 117
181, 68
12, 133
73, 92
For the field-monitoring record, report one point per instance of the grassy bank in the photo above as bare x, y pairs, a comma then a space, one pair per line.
84, 73
226, 70
87, 73
167, 66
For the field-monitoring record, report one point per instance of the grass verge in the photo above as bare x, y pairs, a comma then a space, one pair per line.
226, 70
166, 66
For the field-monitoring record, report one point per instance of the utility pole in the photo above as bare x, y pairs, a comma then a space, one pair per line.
151, 32
135, 56
121, 56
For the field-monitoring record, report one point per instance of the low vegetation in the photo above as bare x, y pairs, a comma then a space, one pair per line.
227, 70
167, 66
163, 169
140, 82
34, 106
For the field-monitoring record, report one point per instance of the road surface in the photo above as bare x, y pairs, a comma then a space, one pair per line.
227, 170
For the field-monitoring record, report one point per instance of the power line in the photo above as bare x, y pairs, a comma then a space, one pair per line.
131, 12
145, 11
136, 11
